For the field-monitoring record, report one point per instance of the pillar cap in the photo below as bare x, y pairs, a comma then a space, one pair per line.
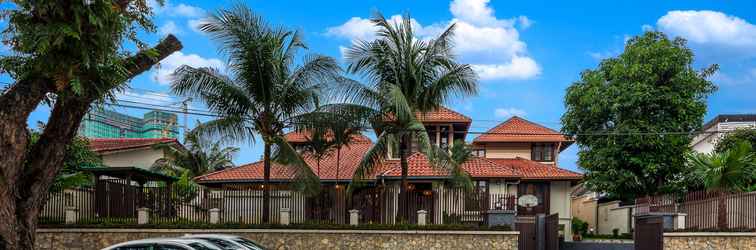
285, 209
354, 211
422, 212
143, 209
214, 210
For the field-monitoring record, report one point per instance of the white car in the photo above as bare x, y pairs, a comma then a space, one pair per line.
164, 244
226, 241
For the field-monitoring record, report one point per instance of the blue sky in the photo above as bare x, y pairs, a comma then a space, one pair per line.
527, 52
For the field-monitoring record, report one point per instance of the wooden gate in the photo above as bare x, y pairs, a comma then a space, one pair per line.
527, 240
649, 233
551, 232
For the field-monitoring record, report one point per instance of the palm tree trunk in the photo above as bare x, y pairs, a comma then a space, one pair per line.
266, 184
338, 164
403, 196
722, 211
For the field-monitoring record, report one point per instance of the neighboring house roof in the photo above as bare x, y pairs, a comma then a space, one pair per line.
110, 145
351, 155
419, 166
532, 170
517, 129
729, 118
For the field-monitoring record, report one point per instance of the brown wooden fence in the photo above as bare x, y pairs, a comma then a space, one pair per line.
117, 202
706, 210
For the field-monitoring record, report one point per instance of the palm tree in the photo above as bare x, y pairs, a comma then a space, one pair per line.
318, 145
263, 88
199, 157
733, 170
405, 76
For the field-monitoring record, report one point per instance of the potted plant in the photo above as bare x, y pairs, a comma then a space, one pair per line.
579, 229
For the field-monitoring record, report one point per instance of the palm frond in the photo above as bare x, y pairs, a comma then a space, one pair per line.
306, 180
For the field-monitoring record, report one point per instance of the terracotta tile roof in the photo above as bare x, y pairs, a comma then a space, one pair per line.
105, 145
532, 170
517, 129
420, 167
442, 114
351, 155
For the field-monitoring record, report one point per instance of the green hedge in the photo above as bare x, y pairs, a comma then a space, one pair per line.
321, 226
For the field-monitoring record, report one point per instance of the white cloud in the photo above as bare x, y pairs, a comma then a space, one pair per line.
712, 29
163, 74
508, 112
194, 24
519, 68
489, 44
169, 27
180, 10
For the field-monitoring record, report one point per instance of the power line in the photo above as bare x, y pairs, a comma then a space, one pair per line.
467, 132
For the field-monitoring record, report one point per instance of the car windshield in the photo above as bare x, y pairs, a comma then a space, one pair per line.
198, 246
249, 243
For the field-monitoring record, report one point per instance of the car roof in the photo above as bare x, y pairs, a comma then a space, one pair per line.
184, 241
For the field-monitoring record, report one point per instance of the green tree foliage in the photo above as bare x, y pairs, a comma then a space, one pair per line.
731, 140
619, 114
69, 54
404, 75
199, 156
731, 170
263, 90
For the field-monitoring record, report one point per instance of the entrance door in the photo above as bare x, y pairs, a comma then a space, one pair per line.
649, 233
527, 239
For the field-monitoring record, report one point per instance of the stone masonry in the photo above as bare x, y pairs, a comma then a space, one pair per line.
85, 239
709, 241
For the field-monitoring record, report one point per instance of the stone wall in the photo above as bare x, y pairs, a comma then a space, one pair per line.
709, 240
85, 239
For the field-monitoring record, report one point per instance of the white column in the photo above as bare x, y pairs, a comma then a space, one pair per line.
421, 220
285, 216
354, 217
72, 215
143, 215
214, 215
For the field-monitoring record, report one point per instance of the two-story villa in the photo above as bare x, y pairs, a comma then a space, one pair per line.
514, 159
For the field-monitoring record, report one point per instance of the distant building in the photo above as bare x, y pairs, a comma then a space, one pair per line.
716, 129
100, 123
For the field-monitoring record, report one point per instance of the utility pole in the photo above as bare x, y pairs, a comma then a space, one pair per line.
185, 109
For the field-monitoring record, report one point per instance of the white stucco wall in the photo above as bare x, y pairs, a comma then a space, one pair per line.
611, 216
507, 150
559, 202
705, 142
142, 158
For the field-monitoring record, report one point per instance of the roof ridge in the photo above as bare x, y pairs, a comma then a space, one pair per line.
536, 124
455, 112
224, 170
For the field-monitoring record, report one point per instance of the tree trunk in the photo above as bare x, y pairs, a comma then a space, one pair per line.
722, 211
338, 164
27, 175
266, 184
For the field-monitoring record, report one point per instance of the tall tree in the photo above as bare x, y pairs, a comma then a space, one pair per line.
263, 90
199, 156
631, 116
67, 54
405, 75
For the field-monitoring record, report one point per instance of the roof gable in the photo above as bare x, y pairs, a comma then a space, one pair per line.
517, 129
442, 114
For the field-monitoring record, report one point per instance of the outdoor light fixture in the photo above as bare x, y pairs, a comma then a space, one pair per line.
427, 193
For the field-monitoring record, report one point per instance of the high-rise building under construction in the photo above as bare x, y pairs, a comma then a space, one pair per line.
100, 123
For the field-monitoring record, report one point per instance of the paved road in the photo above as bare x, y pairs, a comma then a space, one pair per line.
596, 246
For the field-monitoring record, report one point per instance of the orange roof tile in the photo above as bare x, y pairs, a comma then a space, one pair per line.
442, 114
517, 129
104, 145
532, 170
419, 166
351, 155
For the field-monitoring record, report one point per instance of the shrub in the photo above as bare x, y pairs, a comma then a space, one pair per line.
579, 226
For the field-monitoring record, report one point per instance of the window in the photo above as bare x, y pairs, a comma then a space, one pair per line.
479, 152
542, 152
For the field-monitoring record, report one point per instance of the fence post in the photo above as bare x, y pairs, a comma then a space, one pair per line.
680, 221
214, 215
72, 215
354, 217
143, 215
285, 216
421, 220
